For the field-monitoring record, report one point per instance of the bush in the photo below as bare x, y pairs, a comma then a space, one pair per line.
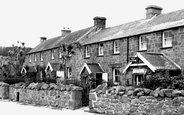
13, 80
162, 80
73, 81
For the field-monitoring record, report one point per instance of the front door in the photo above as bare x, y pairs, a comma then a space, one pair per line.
138, 79
98, 79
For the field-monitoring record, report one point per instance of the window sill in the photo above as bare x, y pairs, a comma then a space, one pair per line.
166, 47
116, 53
100, 56
142, 50
86, 57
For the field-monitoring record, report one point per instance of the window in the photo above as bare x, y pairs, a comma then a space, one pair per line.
116, 47
69, 72
167, 39
100, 49
60, 53
35, 57
29, 58
87, 53
116, 75
41, 56
142, 43
52, 54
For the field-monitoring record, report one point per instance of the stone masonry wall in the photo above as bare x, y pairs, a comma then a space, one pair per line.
55, 98
4, 90
139, 101
154, 44
109, 60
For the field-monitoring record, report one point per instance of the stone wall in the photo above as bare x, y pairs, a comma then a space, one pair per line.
70, 99
4, 90
139, 101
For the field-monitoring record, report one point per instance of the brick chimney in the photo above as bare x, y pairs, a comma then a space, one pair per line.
153, 10
99, 22
65, 31
42, 39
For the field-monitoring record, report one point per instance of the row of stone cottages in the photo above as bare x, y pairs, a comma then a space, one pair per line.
122, 54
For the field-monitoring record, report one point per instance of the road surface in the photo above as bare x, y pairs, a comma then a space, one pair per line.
14, 108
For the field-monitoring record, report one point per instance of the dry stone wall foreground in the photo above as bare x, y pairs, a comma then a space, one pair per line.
140, 101
70, 99
4, 90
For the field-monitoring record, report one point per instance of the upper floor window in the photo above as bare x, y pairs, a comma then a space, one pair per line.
143, 43
52, 54
116, 75
87, 51
100, 49
60, 53
29, 58
69, 72
35, 57
116, 47
167, 39
41, 56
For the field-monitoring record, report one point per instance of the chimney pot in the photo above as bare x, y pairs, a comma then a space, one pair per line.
99, 22
65, 31
153, 10
42, 39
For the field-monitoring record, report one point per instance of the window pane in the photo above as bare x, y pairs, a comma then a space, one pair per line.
166, 34
117, 78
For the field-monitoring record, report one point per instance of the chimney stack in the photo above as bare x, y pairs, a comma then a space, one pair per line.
65, 31
153, 10
42, 39
99, 22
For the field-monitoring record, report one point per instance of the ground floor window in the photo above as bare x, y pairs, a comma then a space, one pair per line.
116, 75
69, 72
138, 79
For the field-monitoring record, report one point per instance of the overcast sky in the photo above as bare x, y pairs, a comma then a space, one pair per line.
28, 20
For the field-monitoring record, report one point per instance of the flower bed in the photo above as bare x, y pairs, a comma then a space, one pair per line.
139, 101
43, 94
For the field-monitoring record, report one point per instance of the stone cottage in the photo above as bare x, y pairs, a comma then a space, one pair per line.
130, 51
46, 56
123, 54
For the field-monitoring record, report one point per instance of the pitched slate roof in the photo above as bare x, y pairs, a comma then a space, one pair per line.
92, 68
160, 61
32, 69
57, 41
155, 61
160, 22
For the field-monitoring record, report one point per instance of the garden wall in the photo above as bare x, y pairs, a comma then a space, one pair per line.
139, 101
4, 90
70, 99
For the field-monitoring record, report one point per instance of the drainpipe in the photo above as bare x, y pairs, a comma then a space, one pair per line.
127, 49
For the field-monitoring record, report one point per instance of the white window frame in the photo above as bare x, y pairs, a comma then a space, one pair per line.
100, 49
60, 53
167, 40
69, 72
41, 56
114, 75
35, 57
116, 47
142, 43
52, 54
29, 58
87, 52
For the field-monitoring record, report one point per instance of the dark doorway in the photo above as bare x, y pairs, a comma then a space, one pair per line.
98, 79
17, 97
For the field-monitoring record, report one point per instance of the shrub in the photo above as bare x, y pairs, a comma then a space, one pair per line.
162, 80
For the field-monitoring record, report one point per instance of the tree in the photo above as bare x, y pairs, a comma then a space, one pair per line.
68, 50
16, 57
